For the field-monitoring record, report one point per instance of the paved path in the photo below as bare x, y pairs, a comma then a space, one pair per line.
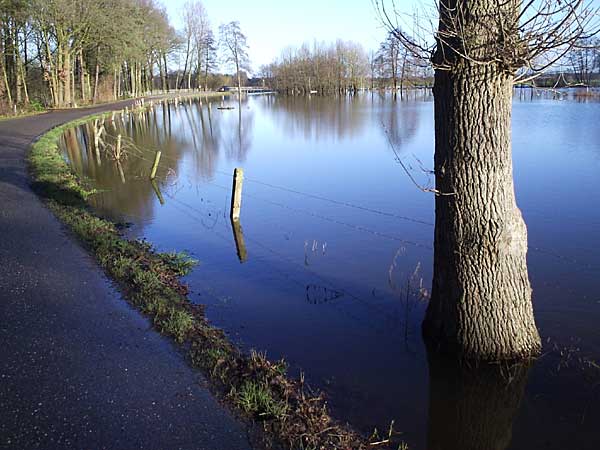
79, 369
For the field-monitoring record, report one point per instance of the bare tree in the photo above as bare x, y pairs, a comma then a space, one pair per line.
373, 62
235, 47
583, 58
199, 38
390, 51
481, 296
337, 68
190, 20
208, 57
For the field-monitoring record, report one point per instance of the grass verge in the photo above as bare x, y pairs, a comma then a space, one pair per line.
290, 414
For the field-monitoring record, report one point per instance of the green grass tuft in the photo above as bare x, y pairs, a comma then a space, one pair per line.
178, 323
179, 262
257, 399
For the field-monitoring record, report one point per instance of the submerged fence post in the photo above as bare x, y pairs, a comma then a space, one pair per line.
238, 237
96, 136
157, 192
236, 194
155, 166
121, 173
118, 149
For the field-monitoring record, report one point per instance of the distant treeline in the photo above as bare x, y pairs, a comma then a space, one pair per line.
345, 67
65, 52
566, 79
579, 67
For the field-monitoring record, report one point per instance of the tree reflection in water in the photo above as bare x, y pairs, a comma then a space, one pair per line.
239, 139
472, 407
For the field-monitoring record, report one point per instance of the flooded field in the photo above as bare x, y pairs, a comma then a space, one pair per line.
332, 264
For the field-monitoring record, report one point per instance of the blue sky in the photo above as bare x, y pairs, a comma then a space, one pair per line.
271, 25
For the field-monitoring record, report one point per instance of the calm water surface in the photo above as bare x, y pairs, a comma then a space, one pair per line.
333, 262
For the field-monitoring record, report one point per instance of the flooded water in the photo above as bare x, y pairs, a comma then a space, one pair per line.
332, 264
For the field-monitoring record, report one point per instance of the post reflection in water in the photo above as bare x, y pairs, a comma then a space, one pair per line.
238, 237
239, 138
157, 191
472, 405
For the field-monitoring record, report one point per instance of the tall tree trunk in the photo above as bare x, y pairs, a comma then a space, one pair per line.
82, 74
24, 80
58, 67
96, 80
6, 83
151, 76
239, 83
73, 90
9, 59
88, 85
125, 79
66, 69
115, 84
4, 72
143, 79
16, 65
481, 297
205, 76
395, 73
119, 84
402, 75
133, 80
185, 66
50, 70
166, 81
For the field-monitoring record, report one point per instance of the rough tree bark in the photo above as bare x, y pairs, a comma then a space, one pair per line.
481, 297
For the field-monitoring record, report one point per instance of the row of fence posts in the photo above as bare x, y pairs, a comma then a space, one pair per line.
238, 173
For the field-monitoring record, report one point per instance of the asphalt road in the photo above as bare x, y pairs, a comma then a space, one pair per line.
79, 369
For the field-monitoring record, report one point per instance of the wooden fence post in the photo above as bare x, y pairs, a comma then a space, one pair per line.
118, 149
236, 194
155, 166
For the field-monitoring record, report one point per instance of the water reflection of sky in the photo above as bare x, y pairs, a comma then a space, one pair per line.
336, 234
